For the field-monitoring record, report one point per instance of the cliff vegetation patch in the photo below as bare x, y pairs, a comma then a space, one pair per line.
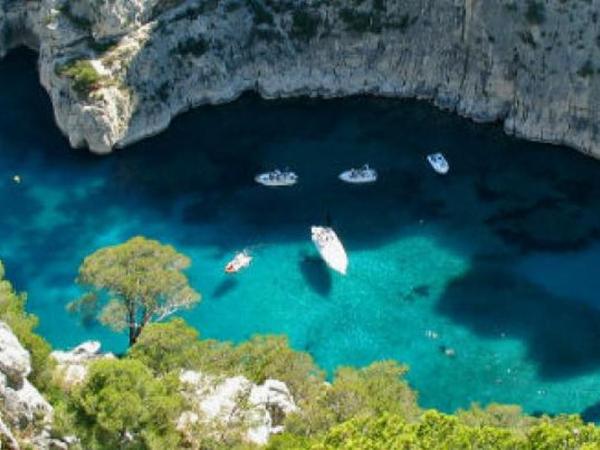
85, 78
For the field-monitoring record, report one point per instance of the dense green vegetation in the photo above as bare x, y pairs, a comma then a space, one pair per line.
437, 431
370, 408
134, 402
135, 282
122, 405
85, 78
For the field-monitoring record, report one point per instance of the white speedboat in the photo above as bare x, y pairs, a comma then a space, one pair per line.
359, 176
239, 262
277, 178
330, 248
439, 163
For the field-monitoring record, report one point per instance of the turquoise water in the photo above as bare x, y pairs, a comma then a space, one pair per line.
498, 261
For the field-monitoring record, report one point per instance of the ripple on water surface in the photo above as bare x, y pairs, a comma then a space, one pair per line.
494, 262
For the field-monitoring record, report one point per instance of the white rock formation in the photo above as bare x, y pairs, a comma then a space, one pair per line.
108, 18
531, 65
72, 364
15, 364
22, 407
236, 402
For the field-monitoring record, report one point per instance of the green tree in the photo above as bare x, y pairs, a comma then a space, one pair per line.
368, 392
433, 431
141, 280
264, 357
123, 405
566, 431
167, 347
497, 415
372, 391
174, 345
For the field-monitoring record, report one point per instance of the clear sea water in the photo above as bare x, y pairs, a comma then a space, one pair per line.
499, 261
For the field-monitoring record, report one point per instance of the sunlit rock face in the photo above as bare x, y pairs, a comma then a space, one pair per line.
108, 18
256, 411
72, 365
23, 410
531, 65
15, 364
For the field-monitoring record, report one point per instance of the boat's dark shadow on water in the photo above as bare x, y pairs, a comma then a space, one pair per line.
225, 287
562, 335
316, 273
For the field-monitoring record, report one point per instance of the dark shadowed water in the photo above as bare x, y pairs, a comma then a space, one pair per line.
499, 261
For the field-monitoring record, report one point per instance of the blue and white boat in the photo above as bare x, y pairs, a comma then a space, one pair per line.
277, 178
330, 248
359, 176
439, 163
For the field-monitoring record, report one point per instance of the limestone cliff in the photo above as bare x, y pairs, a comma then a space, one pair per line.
221, 405
25, 416
119, 70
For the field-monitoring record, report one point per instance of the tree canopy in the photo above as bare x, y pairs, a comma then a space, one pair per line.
122, 405
166, 347
131, 284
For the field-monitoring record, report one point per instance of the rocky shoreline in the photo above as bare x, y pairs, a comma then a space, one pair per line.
118, 71
26, 417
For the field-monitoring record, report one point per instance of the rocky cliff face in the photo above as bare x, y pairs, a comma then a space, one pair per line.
72, 365
119, 70
25, 415
234, 404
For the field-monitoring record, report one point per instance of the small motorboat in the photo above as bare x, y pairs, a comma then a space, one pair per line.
330, 248
241, 261
277, 178
439, 163
359, 176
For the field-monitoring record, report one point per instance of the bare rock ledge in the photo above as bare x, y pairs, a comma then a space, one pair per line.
119, 70
25, 416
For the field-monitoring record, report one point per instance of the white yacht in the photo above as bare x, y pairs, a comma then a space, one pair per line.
439, 163
277, 178
241, 261
330, 248
359, 176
